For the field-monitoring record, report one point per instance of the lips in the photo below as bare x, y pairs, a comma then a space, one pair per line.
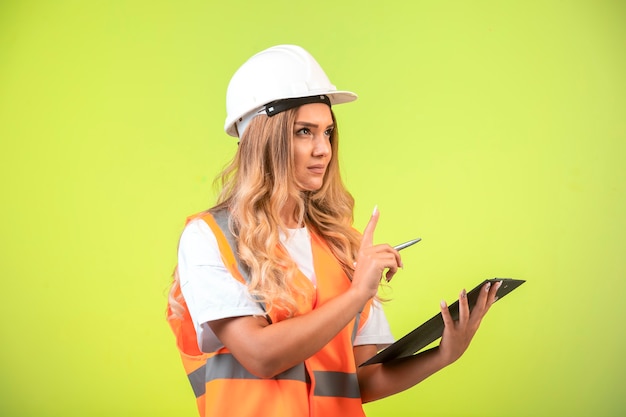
317, 169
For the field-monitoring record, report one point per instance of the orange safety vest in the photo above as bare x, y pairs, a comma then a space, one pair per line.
324, 385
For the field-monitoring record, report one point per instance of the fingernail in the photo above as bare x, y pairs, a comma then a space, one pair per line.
375, 209
443, 304
487, 286
463, 294
354, 264
495, 299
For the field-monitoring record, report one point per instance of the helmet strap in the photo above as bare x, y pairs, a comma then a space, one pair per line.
279, 106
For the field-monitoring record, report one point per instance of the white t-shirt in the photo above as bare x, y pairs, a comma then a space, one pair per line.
211, 292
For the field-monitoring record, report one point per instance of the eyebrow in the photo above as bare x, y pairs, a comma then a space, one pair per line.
307, 124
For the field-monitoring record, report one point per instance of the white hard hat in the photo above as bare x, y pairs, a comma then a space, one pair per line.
278, 73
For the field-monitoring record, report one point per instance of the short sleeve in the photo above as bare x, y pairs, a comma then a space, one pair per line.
376, 329
210, 291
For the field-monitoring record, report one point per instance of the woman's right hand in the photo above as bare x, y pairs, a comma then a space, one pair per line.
372, 261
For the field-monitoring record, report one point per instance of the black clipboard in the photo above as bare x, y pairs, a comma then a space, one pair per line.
432, 329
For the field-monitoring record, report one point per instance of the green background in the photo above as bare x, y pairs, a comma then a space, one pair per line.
494, 130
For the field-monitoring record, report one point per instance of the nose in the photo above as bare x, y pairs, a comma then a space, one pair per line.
322, 146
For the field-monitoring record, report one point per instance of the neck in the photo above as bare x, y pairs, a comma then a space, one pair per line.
287, 215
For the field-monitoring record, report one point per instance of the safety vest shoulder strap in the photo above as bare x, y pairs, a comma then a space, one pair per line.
221, 219
218, 221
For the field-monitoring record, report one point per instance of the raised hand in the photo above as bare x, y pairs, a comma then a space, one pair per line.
372, 260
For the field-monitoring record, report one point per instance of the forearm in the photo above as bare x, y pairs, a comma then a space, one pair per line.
382, 380
266, 350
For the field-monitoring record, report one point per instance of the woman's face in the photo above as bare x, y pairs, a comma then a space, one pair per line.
311, 145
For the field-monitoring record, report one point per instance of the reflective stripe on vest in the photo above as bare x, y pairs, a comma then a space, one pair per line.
336, 384
221, 219
225, 366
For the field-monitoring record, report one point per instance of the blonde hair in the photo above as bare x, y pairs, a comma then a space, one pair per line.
257, 183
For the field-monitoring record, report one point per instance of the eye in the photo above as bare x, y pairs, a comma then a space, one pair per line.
303, 131
329, 132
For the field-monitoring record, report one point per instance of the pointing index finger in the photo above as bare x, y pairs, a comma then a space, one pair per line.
368, 233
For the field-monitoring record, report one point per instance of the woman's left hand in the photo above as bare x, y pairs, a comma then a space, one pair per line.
457, 335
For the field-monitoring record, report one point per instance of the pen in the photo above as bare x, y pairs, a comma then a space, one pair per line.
404, 245
407, 244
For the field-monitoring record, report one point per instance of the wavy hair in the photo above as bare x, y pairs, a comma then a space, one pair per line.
256, 185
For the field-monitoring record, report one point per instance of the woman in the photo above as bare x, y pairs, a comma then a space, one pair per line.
274, 298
